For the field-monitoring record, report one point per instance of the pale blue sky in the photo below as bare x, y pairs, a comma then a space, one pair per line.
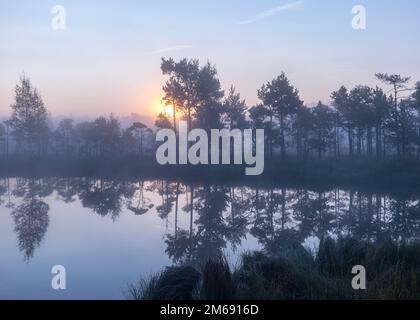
108, 58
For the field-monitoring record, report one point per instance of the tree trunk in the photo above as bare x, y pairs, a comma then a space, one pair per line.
320, 146
271, 137
191, 211
176, 209
282, 142
350, 137
359, 142
369, 141
174, 116
378, 143
283, 209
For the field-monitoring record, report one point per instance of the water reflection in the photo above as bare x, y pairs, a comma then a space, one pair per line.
205, 219
30, 217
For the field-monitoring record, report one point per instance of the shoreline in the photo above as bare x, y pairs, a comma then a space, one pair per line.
389, 176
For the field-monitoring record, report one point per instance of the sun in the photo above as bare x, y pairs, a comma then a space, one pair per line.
168, 110
162, 108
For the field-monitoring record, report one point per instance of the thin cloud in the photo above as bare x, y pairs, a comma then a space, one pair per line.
273, 11
170, 49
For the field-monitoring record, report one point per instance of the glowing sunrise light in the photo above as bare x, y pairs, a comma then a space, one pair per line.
168, 110
160, 107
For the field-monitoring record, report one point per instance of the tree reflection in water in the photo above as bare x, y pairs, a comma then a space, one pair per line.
208, 219
31, 216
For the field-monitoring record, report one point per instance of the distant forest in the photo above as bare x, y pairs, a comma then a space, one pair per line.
360, 122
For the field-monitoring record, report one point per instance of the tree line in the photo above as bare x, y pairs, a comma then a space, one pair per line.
32, 133
357, 122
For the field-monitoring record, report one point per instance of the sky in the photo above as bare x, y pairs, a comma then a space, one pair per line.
107, 60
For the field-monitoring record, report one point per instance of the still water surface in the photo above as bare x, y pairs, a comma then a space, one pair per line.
108, 233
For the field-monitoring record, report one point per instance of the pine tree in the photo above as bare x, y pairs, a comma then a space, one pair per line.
29, 119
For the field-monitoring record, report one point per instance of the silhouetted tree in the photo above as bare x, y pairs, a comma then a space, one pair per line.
362, 112
181, 88
3, 138
195, 91
235, 110
397, 82
139, 130
64, 136
303, 125
281, 100
258, 116
209, 110
163, 122
29, 118
416, 102
341, 102
101, 137
321, 137
381, 112
402, 128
